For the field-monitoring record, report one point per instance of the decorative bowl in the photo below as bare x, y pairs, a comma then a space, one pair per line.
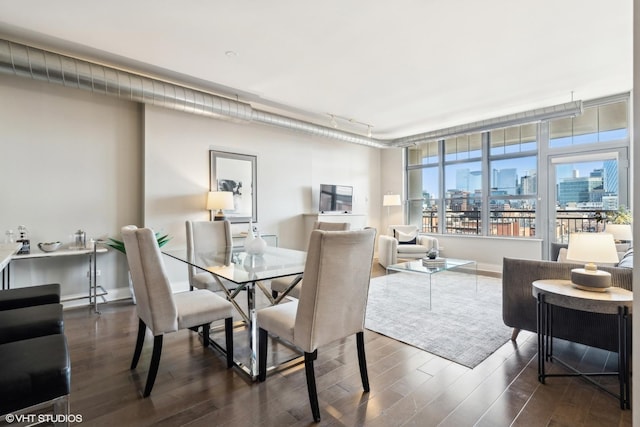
49, 246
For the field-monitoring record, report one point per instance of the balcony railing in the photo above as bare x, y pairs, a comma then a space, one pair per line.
514, 223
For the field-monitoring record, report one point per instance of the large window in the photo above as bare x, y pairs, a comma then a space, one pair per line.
463, 184
513, 181
489, 183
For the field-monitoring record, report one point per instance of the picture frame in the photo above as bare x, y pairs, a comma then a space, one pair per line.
237, 173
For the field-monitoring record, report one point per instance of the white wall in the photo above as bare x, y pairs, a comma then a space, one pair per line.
488, 252
70, 160
392, 182
291, 166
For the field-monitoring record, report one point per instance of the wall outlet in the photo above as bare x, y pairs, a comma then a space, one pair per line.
89, 273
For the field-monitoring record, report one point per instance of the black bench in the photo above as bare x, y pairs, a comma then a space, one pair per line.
30, 322
31, 295
34, 373
35, 370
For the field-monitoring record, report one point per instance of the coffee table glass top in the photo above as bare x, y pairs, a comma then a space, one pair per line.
416, 266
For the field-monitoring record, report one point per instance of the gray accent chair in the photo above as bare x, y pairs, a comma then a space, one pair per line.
162, 311
332, 303
207, 237
282, 283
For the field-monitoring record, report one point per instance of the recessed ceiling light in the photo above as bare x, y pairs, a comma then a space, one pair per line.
231, 54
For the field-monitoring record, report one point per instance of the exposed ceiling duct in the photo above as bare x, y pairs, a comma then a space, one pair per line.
26, 61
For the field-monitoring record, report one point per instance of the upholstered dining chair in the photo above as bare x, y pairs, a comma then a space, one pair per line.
207, 237
282, 283
332, 303
162, 311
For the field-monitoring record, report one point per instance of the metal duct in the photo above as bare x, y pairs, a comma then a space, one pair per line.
26, 61
38, 64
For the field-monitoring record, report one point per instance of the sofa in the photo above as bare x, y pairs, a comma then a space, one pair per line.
403, 242
519, 305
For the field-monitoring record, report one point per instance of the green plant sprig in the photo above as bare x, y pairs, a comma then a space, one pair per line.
118, 245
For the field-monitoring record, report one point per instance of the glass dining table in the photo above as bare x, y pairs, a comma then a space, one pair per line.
236, 272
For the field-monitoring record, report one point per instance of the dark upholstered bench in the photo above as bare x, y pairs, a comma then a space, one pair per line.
30, 322
31, 295
34, 373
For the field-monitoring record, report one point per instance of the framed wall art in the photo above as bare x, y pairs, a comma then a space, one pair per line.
236, 173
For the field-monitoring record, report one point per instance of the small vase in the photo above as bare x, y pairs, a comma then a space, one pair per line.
256, 246
250, 235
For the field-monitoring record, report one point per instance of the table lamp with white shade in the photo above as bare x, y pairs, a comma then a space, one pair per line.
621, 232
218, 201
591, 248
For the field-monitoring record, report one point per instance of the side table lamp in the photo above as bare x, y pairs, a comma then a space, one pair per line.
621, 232
591, 248
219, 200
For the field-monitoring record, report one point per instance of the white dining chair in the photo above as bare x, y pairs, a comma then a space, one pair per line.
282, 283
207, 238
332, 303
162, 311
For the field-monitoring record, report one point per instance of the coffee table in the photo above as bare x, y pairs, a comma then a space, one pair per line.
417, 267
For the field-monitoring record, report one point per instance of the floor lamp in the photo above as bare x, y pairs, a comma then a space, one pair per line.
389, 200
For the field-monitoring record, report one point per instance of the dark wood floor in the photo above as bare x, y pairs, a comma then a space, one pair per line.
409, 387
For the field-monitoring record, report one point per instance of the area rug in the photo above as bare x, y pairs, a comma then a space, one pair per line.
463, 325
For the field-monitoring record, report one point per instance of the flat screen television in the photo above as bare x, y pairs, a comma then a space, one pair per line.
336, 198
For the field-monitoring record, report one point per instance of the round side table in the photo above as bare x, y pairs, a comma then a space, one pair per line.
562, 293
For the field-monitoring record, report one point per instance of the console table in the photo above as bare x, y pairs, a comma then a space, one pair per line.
95, 291
7, 250
561, 293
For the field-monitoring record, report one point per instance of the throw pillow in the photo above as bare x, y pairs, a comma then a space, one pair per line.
405, 238
627, 259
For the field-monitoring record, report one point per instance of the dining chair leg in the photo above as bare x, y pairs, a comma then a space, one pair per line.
142, 328
205, 334
155, 362
362, 361
228, 334
262, 354
311, 384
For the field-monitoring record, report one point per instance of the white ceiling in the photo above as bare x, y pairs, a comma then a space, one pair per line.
403, 67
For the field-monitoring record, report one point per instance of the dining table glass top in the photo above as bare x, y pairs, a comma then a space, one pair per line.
236, 265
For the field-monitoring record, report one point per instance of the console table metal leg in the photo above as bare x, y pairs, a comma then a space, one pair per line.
93, 280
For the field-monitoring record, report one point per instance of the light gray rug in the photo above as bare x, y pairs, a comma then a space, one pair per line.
461, 326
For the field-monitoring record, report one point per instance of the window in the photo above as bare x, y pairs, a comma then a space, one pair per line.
600, 123
488, 183
463, 184
512, 202
424, 197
